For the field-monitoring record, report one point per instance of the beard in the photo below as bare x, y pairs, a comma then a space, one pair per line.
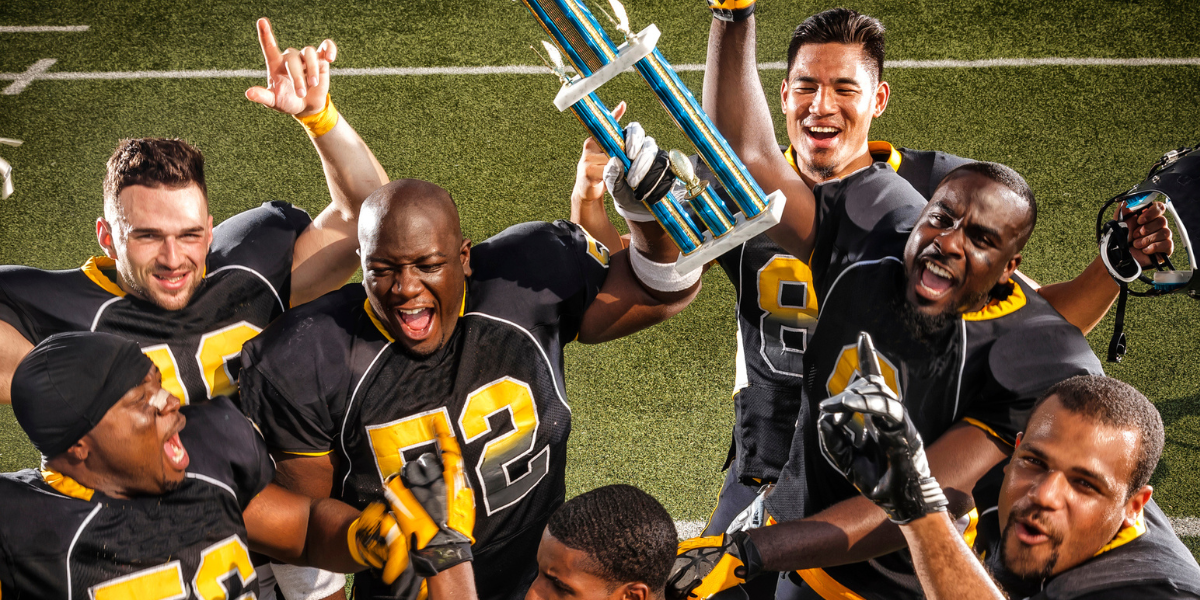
924, 327
1026, 581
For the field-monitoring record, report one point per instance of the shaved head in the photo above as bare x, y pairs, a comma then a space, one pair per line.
399, 201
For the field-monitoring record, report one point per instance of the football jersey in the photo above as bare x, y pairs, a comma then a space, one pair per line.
986, 368
59, 539
1146, 561
326, 378
776, 312
246, 284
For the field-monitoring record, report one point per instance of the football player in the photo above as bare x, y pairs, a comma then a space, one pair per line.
140, 498
1075, 516
348, 388
967, 343
188, 293
833, 91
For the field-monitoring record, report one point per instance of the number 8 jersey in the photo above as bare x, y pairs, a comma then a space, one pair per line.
326, 378
246, 285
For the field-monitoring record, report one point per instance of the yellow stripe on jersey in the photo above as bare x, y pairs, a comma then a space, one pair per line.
325, 453
998, 308
1126, 535
989, 430
893, 159
825, 586
92, 268
67, 486
376, 321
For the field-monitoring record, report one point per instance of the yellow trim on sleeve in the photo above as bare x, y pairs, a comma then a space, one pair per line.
881, 147
1127, 534
989, 430
998, 308
826, 586
92, 268
325, 453
790, 155
376, 321
67, 486
321, 123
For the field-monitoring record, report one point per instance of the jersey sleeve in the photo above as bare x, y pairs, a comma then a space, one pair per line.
224, 445
40, 303
260, 239
12, 309
866, 216
1023, 364
294, 377
1142, 591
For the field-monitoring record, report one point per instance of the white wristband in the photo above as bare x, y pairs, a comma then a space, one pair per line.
661, 276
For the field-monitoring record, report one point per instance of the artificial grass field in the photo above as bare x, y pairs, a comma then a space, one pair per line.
653, 409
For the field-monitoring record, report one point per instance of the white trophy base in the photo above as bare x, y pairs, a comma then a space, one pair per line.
742, 230
629, 53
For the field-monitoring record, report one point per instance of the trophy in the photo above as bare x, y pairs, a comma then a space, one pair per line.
700, 224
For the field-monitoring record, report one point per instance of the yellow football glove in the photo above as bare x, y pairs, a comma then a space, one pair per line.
435, 507
375, 540
707, 565
731, 10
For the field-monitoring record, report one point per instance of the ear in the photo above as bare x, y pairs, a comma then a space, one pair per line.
104, 236
882, 92
633, 591
783, 94
1134, 506
78, 452
208, 231
1009, 269
465, 256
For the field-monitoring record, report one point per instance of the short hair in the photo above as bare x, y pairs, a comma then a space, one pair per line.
840, 26
1009, 178
629, 536
152, 162
1116, 404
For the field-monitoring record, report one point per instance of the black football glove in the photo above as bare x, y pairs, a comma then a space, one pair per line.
866, 435
731, 10
705, 566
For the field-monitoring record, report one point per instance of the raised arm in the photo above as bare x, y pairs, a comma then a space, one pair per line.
734, 101
298, 85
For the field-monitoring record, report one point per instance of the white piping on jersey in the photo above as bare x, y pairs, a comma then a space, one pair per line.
961, 366
99, 311
741, 375
349, 405
71, 548
260, 276
545, 356
215, 482
992, 509
821, 308
762, 321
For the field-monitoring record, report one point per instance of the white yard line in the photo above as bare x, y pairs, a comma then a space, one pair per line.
38, 71
42, 28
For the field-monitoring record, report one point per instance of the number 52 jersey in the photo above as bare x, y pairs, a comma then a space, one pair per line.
326, 378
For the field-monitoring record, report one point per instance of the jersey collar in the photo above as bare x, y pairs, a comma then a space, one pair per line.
874, 148
1127, 534
94, 269
67, 486
379, 324
999, 308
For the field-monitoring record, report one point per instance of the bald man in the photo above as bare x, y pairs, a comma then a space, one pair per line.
445, 335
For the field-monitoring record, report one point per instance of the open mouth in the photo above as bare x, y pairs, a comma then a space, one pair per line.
822, 133
176, 454
172, 281
935, 280
416, 322
1030, 534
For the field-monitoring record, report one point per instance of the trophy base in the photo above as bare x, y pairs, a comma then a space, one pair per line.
742, 231
629, 53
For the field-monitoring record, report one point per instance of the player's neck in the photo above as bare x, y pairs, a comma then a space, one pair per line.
861, 161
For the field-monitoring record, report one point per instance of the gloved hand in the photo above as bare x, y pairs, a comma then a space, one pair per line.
375, 540
865, 433
648, 180
731, 10
705, 566
435, 507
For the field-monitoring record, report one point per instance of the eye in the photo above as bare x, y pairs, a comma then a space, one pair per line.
807, 89
1086, 485
1032, 462
940, 220
431, 268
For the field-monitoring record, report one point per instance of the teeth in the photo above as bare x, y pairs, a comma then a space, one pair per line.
411, 311
178, 453
940, 272
823, 129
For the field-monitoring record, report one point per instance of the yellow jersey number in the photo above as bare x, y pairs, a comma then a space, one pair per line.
213, 353
501, 455
787, 297
219, 564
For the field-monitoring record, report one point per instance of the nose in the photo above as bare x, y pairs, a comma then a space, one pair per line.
950, 241
407, 283
169, 255
823, 102
1050, 490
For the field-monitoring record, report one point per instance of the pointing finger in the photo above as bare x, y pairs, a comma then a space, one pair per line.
619, 111
266, 39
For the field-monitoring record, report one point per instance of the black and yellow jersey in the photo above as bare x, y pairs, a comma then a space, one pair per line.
326, 378
246, 285
1145, 561
776, 312
986, 368
59, 539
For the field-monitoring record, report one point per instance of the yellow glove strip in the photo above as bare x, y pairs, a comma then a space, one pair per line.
352, 543
730, 4
721, 578
319, 124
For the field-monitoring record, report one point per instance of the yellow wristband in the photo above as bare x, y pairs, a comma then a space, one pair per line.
319, 124
352, 542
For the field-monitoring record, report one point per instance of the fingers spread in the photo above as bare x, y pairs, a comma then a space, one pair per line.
261, 95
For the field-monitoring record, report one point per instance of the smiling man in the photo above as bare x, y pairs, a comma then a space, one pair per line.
967, 344
444, 336
139, 498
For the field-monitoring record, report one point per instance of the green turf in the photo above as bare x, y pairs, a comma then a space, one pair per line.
653, 409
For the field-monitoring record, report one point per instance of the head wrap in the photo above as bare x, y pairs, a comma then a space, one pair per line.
67, 383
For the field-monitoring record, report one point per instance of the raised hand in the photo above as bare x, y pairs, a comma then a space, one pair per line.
297, 80
1148, 233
